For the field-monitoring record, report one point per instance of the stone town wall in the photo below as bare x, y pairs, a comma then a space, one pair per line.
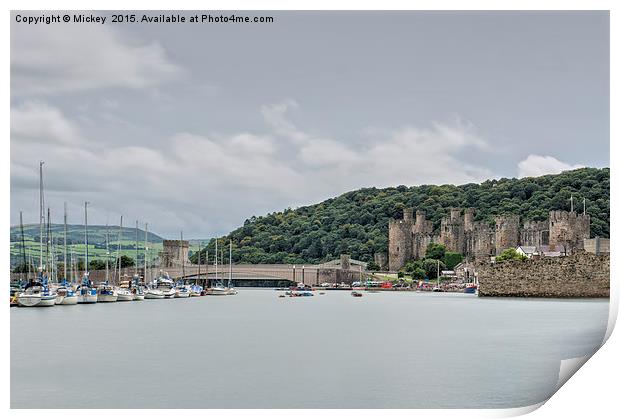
580, 275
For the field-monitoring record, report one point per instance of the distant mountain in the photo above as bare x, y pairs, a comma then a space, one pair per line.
75, 234
357, 222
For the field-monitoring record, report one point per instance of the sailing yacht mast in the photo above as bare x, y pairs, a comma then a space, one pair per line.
199, 263
230, 264
136, 264
118, 249
216, 260
86, 236
146, 247
21, 228
65, 247
182, 258
41, 217
107, 252
47, 245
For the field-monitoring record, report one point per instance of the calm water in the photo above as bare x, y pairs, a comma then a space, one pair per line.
406, 350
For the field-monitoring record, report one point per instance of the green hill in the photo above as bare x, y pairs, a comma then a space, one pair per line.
357, 222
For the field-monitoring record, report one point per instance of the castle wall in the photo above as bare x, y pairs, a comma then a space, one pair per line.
534, 233
567, 230
581, 275
506, 232
409, 238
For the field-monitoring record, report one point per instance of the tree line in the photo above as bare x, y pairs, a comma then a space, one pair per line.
356, 223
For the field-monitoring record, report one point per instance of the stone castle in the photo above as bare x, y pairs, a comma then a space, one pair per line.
408, 237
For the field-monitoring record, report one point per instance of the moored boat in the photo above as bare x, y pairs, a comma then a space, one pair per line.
195, 291
470, 288
182, 291
356, 294
106, 293
66, 295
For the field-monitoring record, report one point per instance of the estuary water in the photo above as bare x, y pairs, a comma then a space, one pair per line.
254, 350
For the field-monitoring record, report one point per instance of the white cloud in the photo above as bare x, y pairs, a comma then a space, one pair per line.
40, 122
535, 165
49, 59
213, 182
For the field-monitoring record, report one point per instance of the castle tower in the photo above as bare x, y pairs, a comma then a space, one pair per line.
468, 220
408, 214
567, 230
452, 233
506, 232
175, 253
400, 240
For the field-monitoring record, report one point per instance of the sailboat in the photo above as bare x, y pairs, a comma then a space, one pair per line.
218, 289
196, 289
231, 290
86, 291
123, 291
106, 292
37, 293
137, 288
65, 293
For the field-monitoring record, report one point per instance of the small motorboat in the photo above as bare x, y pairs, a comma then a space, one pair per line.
356, 294
195, 291
124, 294
217, 290
232, 291
65, 295
182, 291
153, 293
166, 286
470, 288
86, 292
106, 293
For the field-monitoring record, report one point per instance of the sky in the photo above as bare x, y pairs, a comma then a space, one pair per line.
198, 127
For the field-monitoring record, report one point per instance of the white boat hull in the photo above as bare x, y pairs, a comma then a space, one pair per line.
195, 294
25, 300
182, 294
217, 291
107, 298
87, 299
154, 295
125, 297
138, 297
69, 300
169, 294
47, 301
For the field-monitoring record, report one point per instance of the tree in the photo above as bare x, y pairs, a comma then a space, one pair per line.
372, 266
418, 273
430, 267
452, 259
510, 254
96, 264
126, 261
24, 268
435, 251
401, 274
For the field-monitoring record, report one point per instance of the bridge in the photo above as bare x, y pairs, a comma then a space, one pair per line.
267, 275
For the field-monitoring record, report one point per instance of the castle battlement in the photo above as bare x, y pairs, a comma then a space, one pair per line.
409, 238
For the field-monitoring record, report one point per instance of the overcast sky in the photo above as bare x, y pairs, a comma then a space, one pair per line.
199, 127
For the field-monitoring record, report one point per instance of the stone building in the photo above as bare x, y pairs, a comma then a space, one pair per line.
175, 253
408, 238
